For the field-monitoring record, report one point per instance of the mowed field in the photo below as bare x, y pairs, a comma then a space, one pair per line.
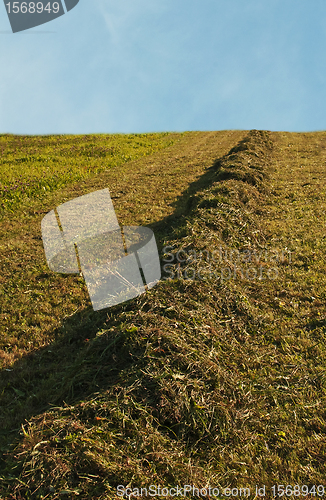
216, 377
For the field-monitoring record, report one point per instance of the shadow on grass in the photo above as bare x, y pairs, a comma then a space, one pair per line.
91, 349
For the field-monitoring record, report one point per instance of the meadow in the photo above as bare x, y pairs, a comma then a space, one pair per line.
30, 164
214, 378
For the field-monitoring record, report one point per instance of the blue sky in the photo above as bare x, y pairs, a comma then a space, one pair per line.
146, 66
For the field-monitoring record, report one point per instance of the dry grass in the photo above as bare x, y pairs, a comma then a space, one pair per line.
217, 381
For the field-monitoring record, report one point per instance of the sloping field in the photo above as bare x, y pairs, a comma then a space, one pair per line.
216, 377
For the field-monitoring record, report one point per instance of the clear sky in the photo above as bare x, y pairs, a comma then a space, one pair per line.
171, 65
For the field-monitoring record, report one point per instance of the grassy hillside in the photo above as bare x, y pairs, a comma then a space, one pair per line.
216, 377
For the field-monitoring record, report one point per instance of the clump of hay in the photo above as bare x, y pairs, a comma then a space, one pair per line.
248, 160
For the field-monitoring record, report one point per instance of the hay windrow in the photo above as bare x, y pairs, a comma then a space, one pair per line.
248, 161
210, 382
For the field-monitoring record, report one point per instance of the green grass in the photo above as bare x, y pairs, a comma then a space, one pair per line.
33, 164
216, 382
